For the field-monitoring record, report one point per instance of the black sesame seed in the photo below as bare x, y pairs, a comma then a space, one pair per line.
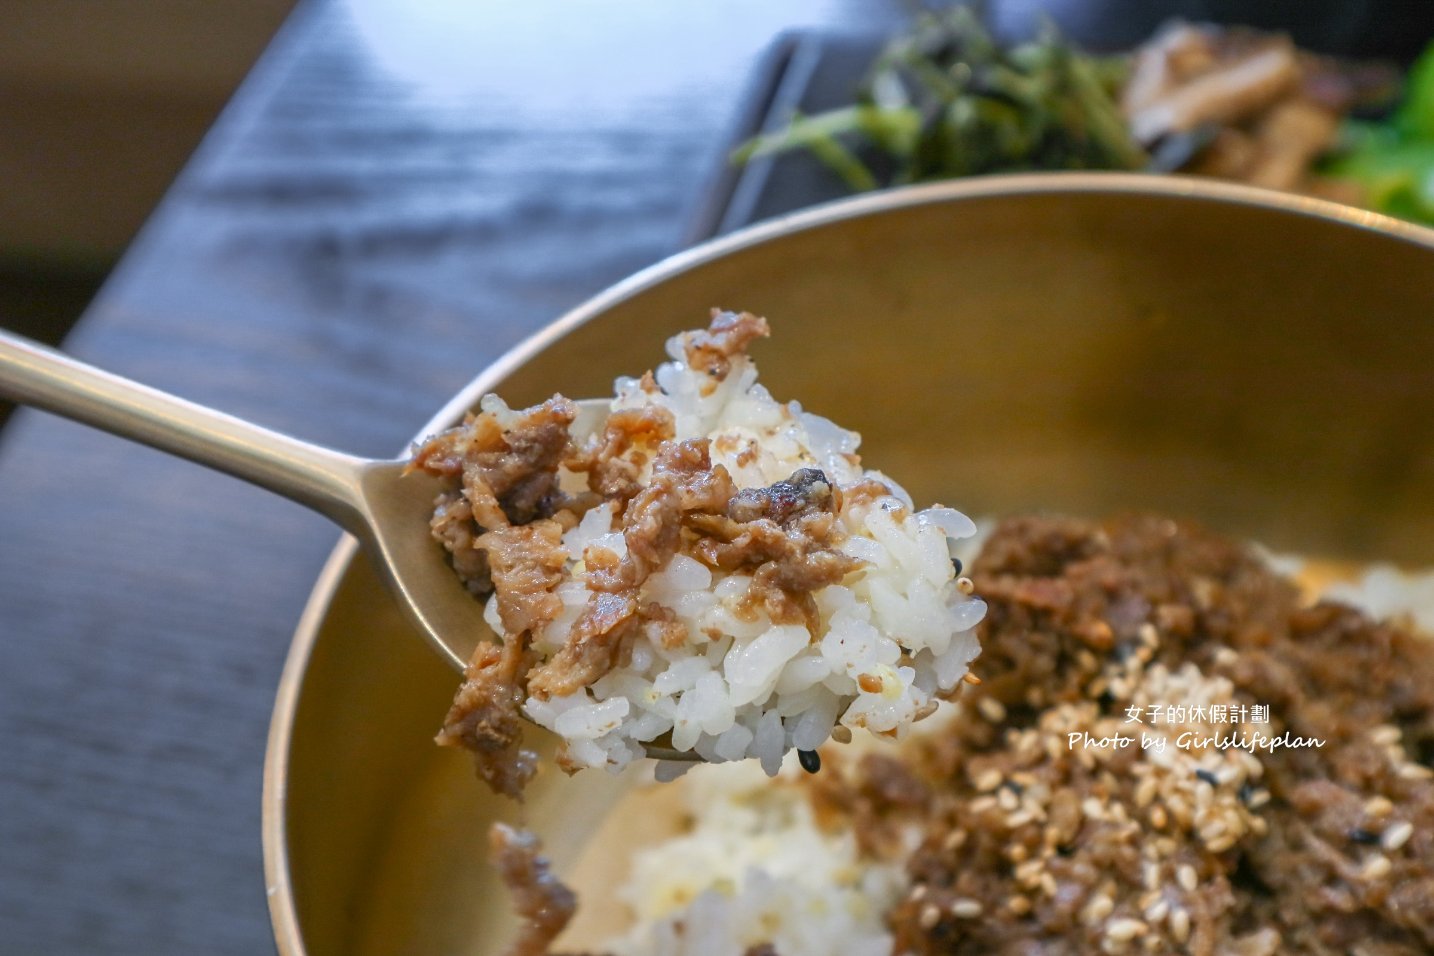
1361, 835
810, 760
1012, 786
1247, 792
1208, 777
956, 563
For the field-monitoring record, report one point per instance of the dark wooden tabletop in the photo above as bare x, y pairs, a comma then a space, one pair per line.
399, 193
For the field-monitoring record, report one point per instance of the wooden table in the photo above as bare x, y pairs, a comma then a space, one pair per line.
391, 202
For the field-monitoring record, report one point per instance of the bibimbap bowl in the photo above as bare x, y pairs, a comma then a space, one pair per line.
1086, 344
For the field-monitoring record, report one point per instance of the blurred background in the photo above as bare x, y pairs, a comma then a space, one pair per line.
101, 104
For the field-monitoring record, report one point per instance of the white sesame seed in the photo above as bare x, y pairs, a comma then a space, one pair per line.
1375, 867
929, 917
1378, 806
954, 839
1188, 878
991, 709
1221, 844
1099, 907
1385, 734
1415, 771
989, 780
1180, 925
965, 585
966, 908
1124, 930
1396, 835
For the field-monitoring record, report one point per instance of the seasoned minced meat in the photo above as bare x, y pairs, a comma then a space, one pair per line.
484, 718
787, 535
728, 334
544, 904
453, 527
614, 460
510, 469
1030, 844
591, 647
526, 564
498, 530
789, 558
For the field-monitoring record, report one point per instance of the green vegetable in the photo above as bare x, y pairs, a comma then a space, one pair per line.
945, 100
1394, 160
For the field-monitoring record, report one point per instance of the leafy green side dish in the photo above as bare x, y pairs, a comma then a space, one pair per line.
946, 100
1393, 160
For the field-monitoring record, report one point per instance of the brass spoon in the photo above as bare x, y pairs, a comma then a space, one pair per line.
375, 501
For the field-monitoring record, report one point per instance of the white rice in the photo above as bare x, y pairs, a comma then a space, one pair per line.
761, 688
756, 868
1385, 591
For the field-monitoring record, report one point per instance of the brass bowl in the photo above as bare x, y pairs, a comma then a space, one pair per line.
1082, 343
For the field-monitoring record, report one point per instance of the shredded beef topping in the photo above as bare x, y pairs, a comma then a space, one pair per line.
453, 526
787, 535
484, 718
540, 899
806, 492
729, 334
1030, 844
683, 480
591, 648
526, 564
614, 460
508, 474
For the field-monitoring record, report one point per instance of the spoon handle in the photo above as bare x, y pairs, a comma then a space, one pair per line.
324, 480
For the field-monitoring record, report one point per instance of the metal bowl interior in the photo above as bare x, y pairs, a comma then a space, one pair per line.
1081, 343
